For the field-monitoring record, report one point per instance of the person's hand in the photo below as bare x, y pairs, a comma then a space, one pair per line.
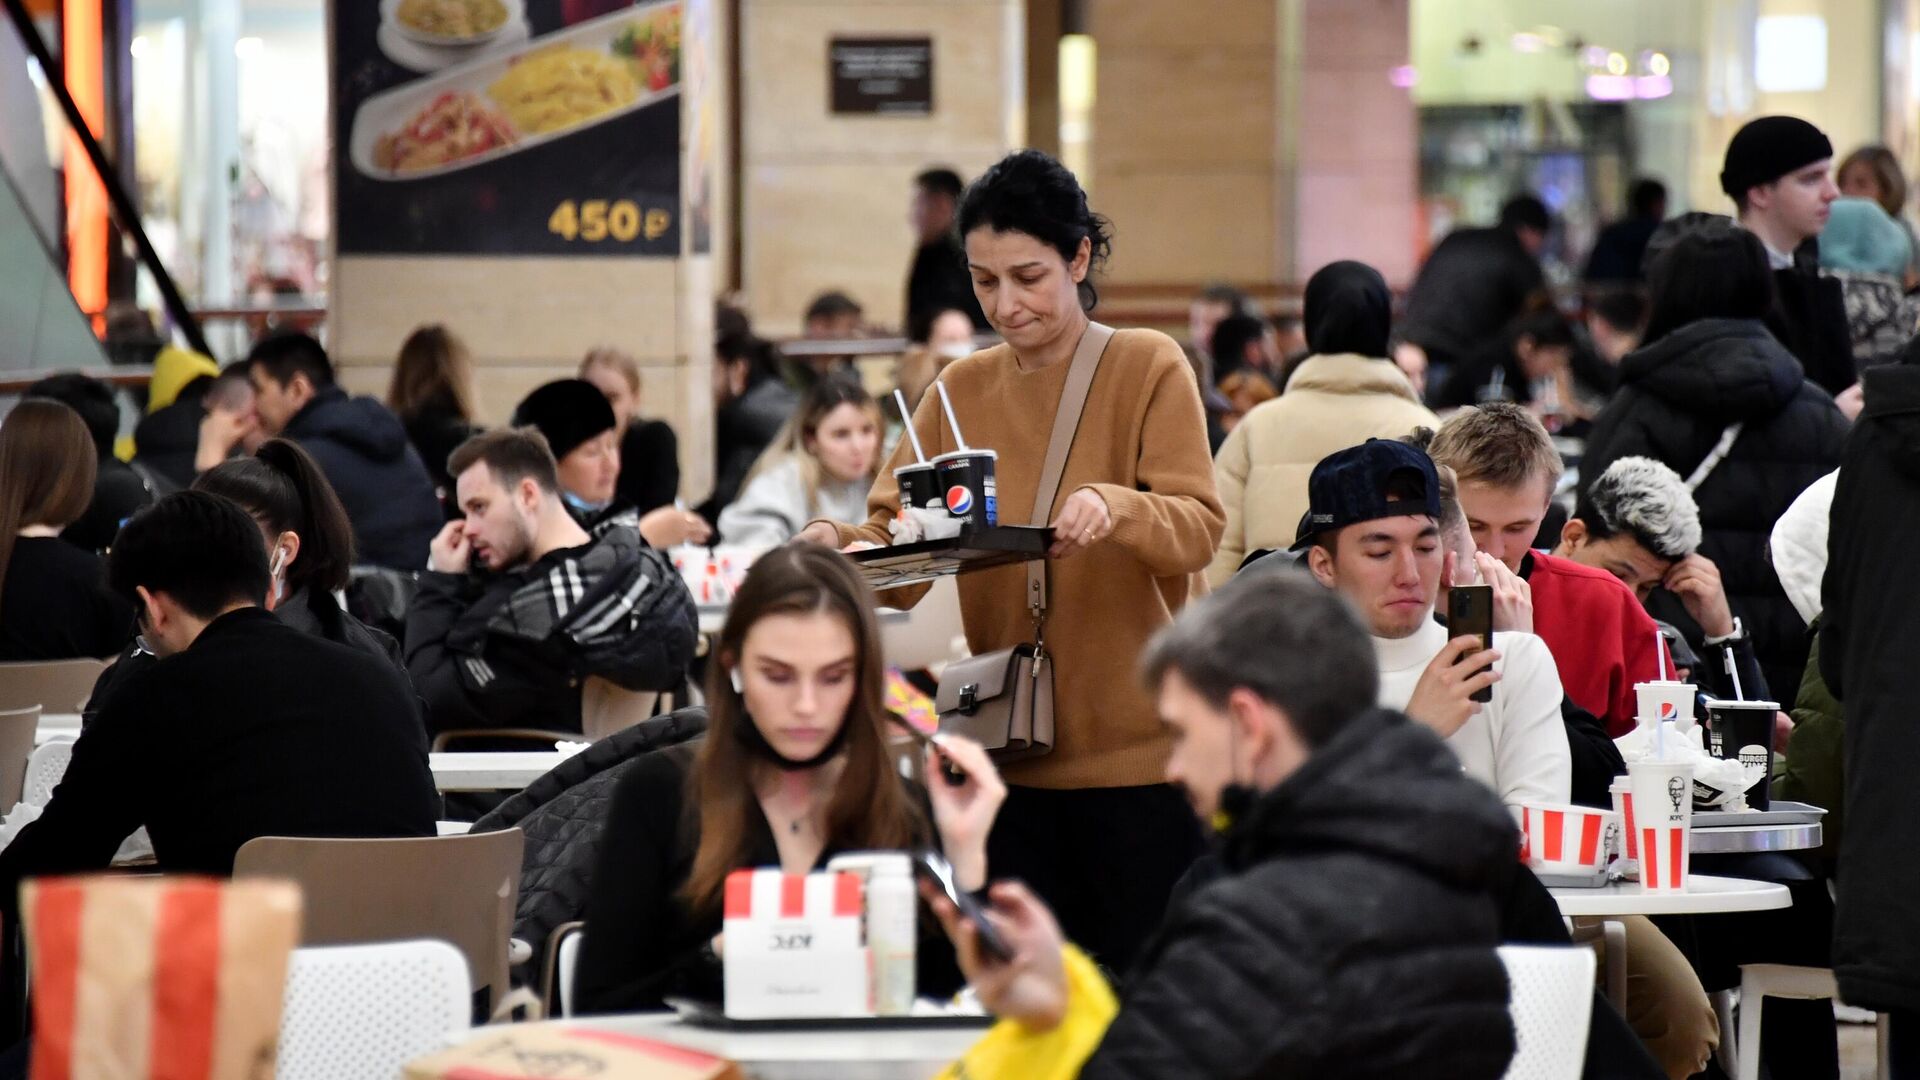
1696, 581
1512, 596
1443, 698
670, 526
449, 552
720, 945
1851, 401
964, 813
820, 532
1782, 731
1031, 988
1083, 522
220, 431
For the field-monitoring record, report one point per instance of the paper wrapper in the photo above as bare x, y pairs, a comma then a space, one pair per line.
540, 1052
1716, 782
157, 978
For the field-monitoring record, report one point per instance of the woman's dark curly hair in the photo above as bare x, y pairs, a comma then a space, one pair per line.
1030, 192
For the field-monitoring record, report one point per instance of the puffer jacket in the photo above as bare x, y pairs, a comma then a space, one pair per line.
1869, 637
389, 495
564, 814
1677, 395
1881, 317
1352, 936
1331, 403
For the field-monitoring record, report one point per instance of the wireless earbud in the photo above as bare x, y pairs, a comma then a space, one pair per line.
739, 684
279, 561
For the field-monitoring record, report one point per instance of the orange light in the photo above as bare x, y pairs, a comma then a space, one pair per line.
81, 51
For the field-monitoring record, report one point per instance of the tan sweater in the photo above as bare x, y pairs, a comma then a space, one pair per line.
1142, 446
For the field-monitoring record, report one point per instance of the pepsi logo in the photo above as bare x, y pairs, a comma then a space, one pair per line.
959, 499
1668, 711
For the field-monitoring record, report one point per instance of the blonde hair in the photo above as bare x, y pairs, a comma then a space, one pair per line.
1500, 444
618, 360
791, 442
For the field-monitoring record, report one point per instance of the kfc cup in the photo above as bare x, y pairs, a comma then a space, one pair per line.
1574, 841
1622, 792
1662, 793
1743, 731
1663, 699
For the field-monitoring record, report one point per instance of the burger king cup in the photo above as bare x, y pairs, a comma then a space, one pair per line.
1662, 794
1622, 792
1664, 699
1567, 841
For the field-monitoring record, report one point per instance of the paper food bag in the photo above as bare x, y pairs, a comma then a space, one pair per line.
157, 978
543, 1052
794, 946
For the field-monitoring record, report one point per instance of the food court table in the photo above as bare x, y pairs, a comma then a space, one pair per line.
1704, 895
908, 1053
1742, 839
507, 770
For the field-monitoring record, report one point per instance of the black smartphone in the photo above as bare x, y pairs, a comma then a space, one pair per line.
934, 867
1470, 611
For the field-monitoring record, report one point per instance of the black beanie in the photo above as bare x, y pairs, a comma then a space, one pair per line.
568, 412
1769, 148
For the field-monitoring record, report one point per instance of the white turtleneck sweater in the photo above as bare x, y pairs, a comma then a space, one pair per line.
1515, 744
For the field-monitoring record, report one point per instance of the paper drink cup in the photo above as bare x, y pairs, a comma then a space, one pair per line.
1662, 793
967, 482
919, 487
1565, 839
1743, 731
1622, 792
1664, 699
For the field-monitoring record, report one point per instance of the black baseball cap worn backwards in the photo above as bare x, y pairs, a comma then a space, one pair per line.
1350, 486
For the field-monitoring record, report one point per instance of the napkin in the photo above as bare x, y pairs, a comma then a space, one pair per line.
917, 523
1716, 782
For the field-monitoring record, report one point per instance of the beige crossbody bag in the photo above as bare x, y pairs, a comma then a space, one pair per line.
1004, 699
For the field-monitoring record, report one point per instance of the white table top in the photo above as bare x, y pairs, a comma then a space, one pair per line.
508, 770
895, 1054
1704, 895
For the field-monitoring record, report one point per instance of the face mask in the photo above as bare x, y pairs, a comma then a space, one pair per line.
581, 505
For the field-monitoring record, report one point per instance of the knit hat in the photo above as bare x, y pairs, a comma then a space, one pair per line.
1861, 236
1769, 148
568, 412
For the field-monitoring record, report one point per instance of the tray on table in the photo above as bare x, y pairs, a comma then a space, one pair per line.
1781, 812
930, 560
709, 1014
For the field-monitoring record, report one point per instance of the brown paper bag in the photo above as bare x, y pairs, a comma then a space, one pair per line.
157, 978
544, 1052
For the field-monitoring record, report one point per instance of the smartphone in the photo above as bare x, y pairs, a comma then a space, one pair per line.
934, 867
1470, 611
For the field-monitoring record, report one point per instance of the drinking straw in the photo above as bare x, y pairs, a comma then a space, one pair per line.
1660, 650
947, 404
1733, 672
1660, 740
906, 414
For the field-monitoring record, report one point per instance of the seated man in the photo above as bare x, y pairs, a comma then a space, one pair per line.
519, 605
1372, 532
245, 727
1601, 638
1352, 930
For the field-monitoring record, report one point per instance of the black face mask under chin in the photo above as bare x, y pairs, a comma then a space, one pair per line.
748, 733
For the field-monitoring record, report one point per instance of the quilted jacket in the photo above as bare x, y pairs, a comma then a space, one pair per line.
564, 814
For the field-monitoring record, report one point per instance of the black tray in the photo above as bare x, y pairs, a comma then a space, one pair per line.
930, 560
708, 1014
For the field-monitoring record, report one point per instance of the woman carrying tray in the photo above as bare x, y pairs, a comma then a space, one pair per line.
1090, 825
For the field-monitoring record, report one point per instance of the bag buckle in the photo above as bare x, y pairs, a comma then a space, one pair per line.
969, 698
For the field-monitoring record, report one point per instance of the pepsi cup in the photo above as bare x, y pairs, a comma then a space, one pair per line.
966, 483
1664, 699
919, 487
1743, 731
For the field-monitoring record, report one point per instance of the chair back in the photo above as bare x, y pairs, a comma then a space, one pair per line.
17, 729
367, 1010
457, 889
566, 957
44, 769
1551, 1001
925, 638
606, 707
57, 686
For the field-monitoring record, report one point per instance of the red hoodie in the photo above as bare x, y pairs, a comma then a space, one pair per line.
1599, 635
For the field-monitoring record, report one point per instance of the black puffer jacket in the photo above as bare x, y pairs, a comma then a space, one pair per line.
1353, 936
564, 814
1869, 639
1677, 395
1473, 284
379, 476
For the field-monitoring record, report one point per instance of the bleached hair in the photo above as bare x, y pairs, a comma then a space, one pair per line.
1647, 500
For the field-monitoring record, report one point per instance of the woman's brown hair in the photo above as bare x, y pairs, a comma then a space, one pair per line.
1886, 171
434, 368
47, 467
870, 808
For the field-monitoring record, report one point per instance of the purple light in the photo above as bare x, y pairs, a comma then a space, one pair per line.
1610, 87
1403, 76
1647, 87
1594, 56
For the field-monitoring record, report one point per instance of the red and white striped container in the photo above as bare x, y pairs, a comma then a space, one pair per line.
793, 946
1567, 840
1662, 793
1622, 793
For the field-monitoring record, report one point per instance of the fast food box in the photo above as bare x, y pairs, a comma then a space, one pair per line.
541, 1052
793, 946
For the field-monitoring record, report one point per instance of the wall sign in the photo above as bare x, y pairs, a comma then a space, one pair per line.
881, 75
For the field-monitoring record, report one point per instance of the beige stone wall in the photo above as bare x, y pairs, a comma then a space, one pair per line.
824, 197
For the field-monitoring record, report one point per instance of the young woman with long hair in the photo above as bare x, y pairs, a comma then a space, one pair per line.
53, 605
432, 394
822, 465
794, 769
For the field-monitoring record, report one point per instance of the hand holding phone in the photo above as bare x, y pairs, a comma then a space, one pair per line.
1470, 612
933, 866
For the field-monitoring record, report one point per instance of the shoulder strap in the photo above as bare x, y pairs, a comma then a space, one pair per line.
1714, 456
1066, 421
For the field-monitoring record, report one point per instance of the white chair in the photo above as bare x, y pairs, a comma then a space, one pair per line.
567, 957
45, 766
355, 1011
1551, 1000
1761, 981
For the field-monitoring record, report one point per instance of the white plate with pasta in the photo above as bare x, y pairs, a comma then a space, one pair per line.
506, 101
